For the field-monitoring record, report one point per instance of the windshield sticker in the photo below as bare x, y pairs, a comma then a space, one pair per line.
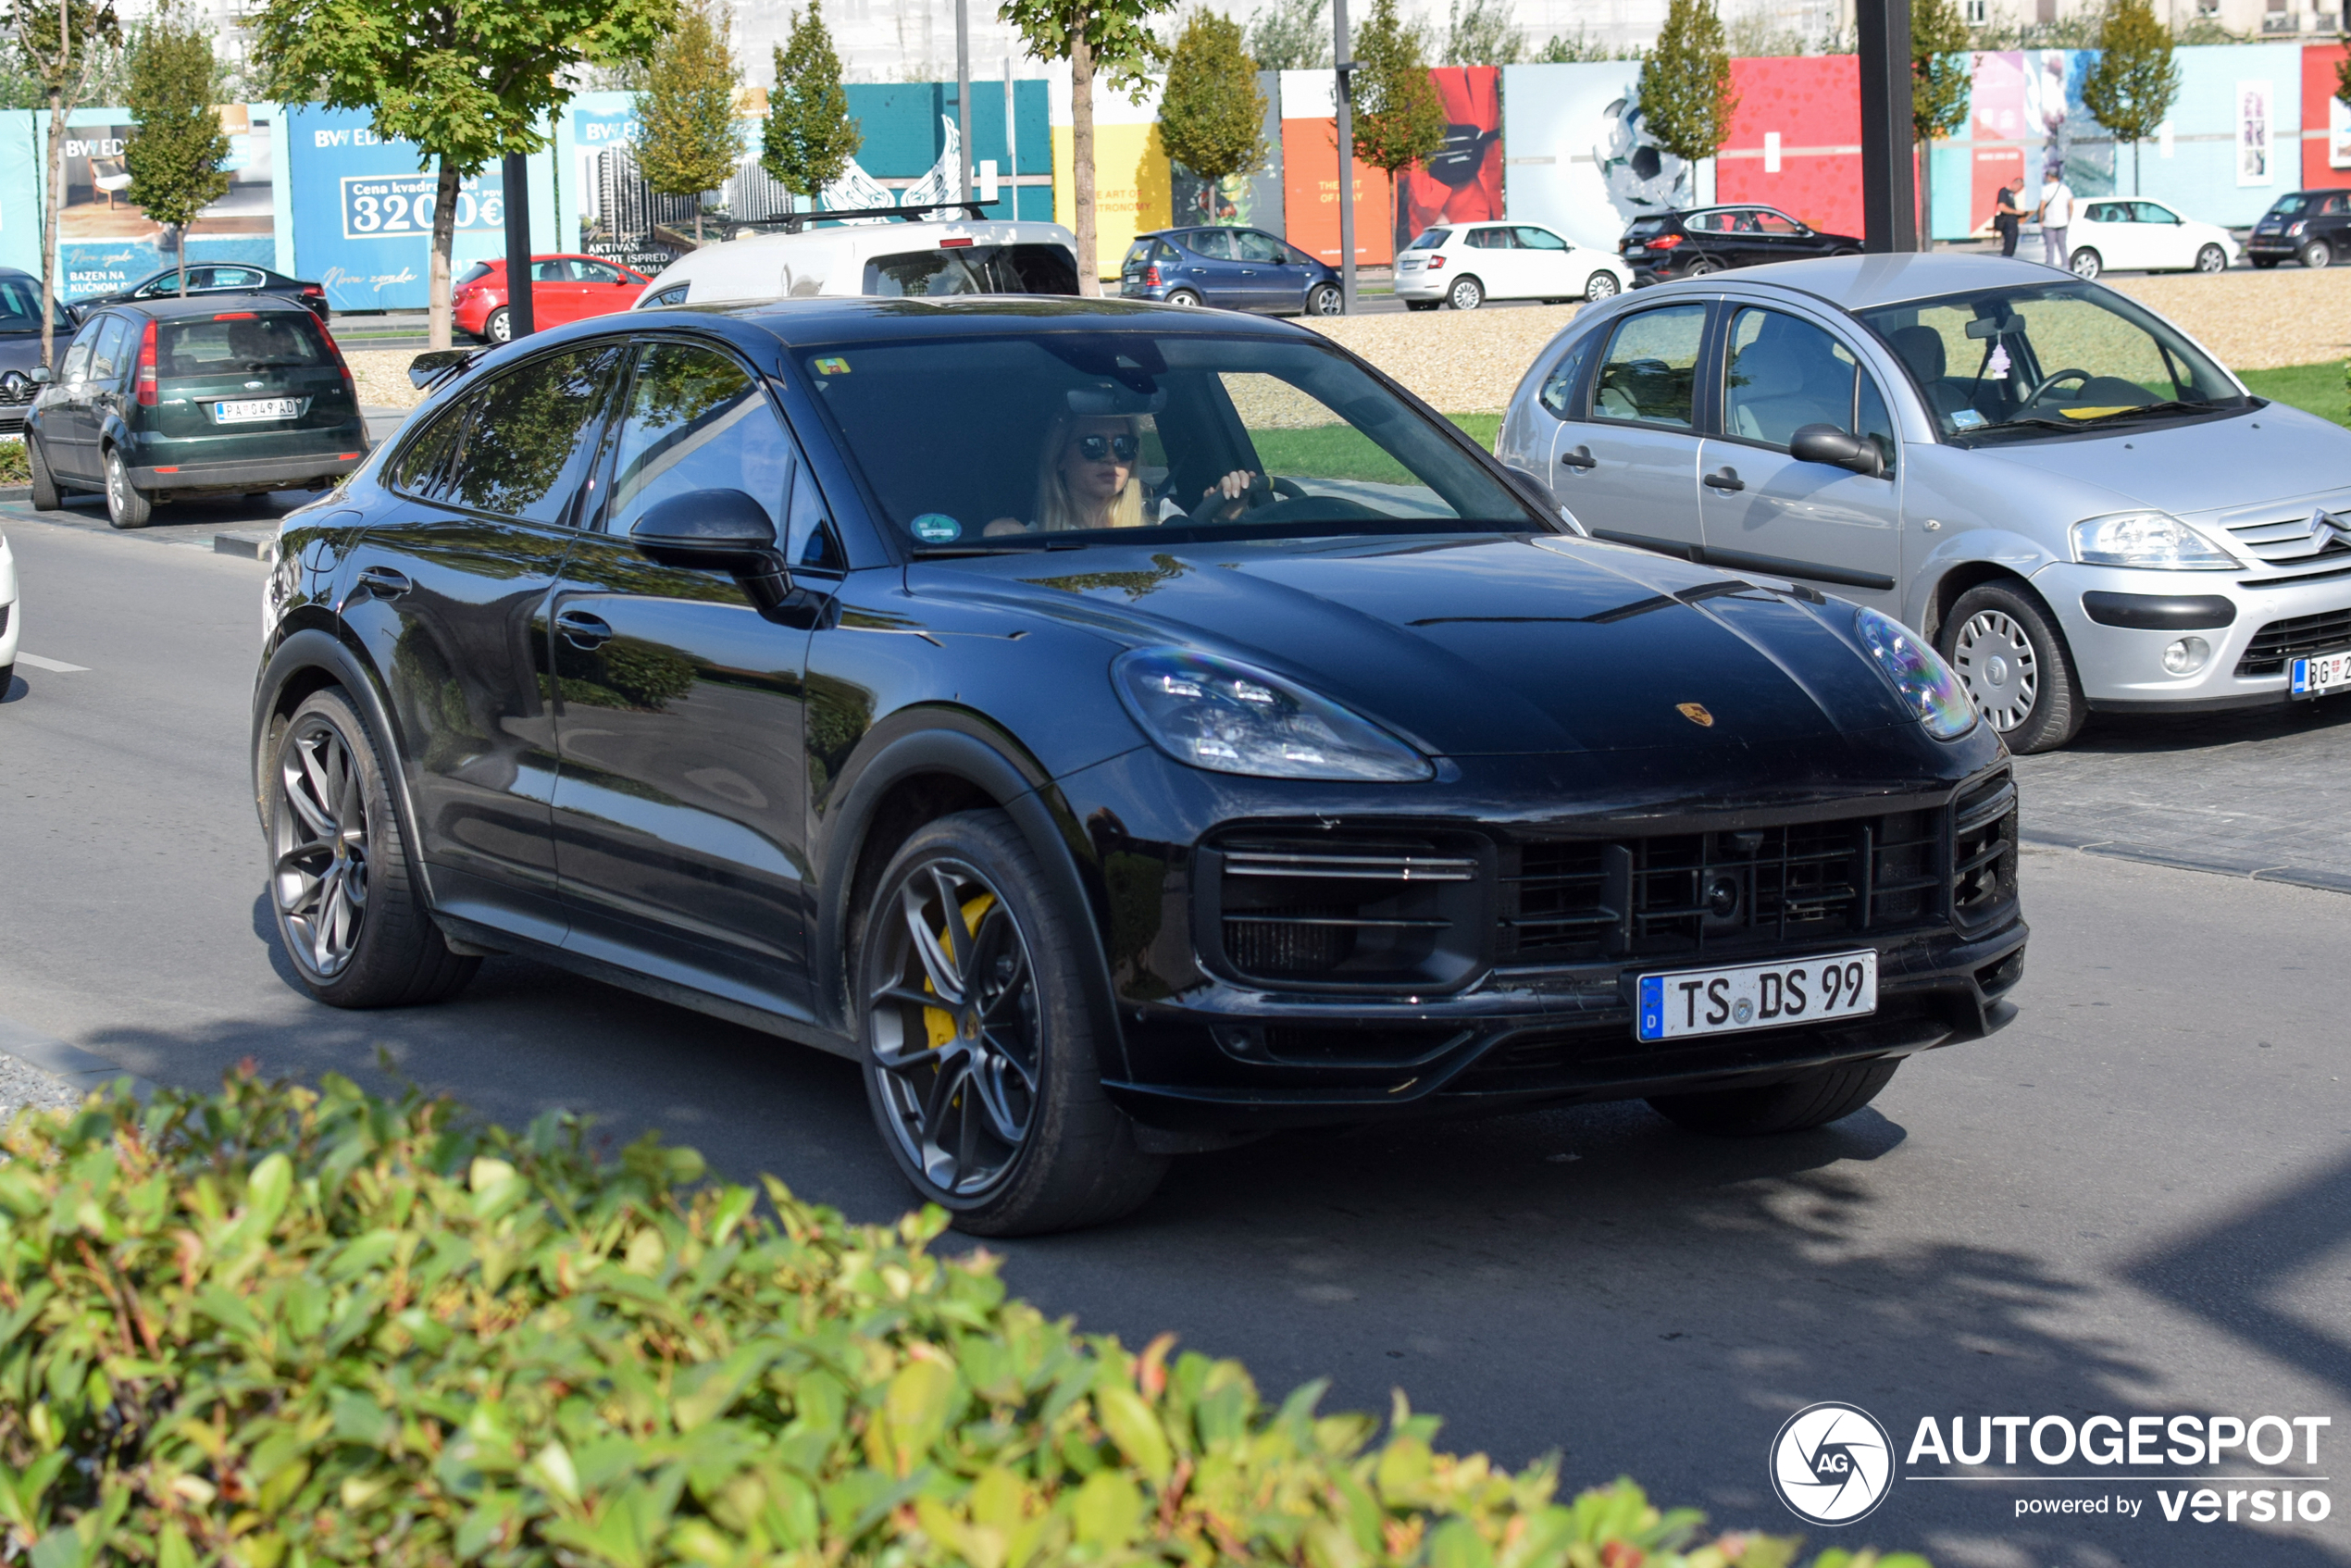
931, 527
1966, 419
1997, 367
831, 365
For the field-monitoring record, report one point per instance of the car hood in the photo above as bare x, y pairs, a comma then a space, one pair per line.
1478, 645
2274, 454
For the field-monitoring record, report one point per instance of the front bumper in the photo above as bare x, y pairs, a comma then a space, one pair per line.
2121, 667
277, 473
1207, 1048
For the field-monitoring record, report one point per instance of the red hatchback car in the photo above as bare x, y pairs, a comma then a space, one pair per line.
562, 287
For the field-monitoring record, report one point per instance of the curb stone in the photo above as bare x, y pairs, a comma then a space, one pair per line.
2251, 870
79, 1070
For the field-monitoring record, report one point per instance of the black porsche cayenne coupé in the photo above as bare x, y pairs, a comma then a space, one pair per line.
1124, 731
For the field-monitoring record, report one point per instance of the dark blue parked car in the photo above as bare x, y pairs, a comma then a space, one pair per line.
1231, 268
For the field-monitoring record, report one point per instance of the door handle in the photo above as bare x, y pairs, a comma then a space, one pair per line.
583, 630
384, 583
1727, 479
1581, 457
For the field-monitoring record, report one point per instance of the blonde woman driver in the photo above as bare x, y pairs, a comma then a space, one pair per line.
1087, 479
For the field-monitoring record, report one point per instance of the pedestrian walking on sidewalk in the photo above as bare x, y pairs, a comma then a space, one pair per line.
2055, 212
2008, 217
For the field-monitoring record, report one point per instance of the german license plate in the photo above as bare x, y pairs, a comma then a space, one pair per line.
1682, 1002
2322, 673
256, 408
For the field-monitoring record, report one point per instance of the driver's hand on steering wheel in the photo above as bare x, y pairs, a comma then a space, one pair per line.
1231, 492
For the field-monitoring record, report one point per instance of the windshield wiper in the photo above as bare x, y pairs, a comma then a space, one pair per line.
993, 547
2091, 421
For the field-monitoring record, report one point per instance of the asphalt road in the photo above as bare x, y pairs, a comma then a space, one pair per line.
2135, 1200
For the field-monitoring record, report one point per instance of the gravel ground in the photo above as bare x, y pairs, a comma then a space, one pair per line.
22, 1084
1463, 362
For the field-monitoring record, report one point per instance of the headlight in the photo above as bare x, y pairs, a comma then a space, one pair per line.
1228, 717
2155, 541
1927, 686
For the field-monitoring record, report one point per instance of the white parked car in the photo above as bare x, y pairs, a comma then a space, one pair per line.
922, 260
2138, 235
8, 628
1464, 265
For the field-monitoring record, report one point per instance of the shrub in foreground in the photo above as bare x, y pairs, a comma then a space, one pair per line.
277, 1328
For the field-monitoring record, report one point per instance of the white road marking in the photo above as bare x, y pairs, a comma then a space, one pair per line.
54, 666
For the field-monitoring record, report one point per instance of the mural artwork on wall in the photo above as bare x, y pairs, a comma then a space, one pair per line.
2253, 135
1463, 182
104, 243
1581, 159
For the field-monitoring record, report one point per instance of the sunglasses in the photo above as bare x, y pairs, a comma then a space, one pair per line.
1095, 448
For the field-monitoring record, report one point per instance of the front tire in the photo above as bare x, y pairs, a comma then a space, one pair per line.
1810, 1099
2211, 258
2085, 265
2015, 666
45, 497
127, 506
349, 905
979, 1041
1602, 285
1467, 293
2315, 254
1324, 299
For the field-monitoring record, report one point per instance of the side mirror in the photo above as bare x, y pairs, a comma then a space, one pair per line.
434, 364
1839, 449
41, 374
718, 530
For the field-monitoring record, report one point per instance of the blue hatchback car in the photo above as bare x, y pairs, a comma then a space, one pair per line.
1231, 268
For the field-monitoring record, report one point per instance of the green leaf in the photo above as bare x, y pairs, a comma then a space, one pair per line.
1135, 1428
1109, 1510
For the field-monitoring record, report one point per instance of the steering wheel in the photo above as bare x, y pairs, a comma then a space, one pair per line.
2046, 382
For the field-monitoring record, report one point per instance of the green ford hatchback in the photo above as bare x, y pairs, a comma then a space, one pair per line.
224, 394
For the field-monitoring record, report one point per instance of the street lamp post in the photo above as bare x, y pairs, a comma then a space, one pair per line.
1342, 67
1889, 183
517, 200
964, 98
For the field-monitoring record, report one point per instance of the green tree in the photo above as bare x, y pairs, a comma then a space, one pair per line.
61, 43
465, 83
690, 142
1211, 115
1482, 32
1686, 83
1564, 51
1942, 82
809, 137
175, 156
1292, 35
2134, 82
1107, 38
1398, 118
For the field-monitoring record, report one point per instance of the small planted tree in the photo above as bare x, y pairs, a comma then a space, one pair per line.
175, 156
1482, 32
1212, 116
809, 137
1291, 35
1107, 38
60, 46
1941, 86
1686, 94
2135, 81
689, 142
1398, 118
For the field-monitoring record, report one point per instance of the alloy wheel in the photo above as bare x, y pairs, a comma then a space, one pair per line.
956, 1030
2086, 265
319, 833
1999, 667
1323, 300
2211, 258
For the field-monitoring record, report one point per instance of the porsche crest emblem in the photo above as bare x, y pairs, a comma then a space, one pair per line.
1696, 713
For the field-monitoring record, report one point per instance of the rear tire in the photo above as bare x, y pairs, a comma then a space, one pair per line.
2211, 258
500, 328
1422, 304
1183, 297
2015, 666
46, 495
993, 1107
1467, 293
347, 899
2315, 254
1703, 268
2086, 264
127, 506
1602, 285
1810, 1099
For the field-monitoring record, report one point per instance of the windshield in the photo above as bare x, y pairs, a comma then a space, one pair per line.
996, 441
2303, 202
20, 307
2018, 362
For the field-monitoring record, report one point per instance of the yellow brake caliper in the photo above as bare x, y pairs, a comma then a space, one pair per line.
937, 1023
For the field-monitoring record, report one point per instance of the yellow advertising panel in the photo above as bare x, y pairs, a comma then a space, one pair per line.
1131, 188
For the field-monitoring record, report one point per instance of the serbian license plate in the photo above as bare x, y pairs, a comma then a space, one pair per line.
2322, 673
1756, 996
256, 408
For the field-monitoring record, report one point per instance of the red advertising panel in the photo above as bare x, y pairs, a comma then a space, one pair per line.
1310, 196
1461, 183
1997, 114
1796, 141
2326, 120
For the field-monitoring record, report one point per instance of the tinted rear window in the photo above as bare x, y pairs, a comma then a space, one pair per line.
268, 340
1643, 227
973, 269
475, 273
1431, 239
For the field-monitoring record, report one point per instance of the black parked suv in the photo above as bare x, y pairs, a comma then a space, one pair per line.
1695, 242
1122, 730
2312, 227
226, 394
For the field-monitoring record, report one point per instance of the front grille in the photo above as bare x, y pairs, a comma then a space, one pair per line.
1359, 911
2295, 638
2283, 540
1678, 895
18, 393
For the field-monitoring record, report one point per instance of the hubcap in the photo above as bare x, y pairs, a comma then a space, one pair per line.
955, 1032
1601, 287
1998, 665
320, 838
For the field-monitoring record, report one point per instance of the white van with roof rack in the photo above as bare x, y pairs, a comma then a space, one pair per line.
928, 257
